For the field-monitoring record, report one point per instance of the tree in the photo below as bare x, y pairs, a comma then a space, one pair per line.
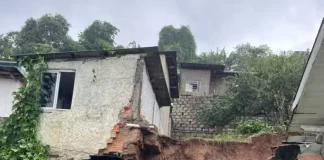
119, 47
133, 44
245, 55
212, 57
49, 31
266, 86
98, 36
5, 49
68, 44
180, 40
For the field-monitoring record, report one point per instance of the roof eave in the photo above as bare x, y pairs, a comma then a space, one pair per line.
309, 65
90, 53
171, 59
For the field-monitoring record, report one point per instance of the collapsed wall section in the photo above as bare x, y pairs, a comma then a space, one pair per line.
102, 89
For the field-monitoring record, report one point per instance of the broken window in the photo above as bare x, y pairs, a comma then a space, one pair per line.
57, 89
192, 86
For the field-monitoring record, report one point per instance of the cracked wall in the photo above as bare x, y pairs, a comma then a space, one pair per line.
96, 105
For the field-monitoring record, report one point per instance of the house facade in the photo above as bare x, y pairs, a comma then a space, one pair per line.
10, 81
307, 107
199, 83
203, 79
87, 94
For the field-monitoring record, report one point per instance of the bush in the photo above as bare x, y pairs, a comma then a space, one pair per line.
278, 128
252, 127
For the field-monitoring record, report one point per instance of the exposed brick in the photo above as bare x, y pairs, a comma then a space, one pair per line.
110, 140
127, 112
311, 157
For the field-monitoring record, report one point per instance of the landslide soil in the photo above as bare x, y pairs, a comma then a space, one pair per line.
259, 148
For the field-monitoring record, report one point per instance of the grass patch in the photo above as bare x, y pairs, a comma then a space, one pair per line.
232, 137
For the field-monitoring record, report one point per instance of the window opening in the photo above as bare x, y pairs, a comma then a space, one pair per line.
57, 89
192, 86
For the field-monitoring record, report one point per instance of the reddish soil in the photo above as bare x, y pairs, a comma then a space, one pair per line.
258, 149
315, 157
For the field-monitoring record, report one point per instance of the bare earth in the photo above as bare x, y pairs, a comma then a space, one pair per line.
258, 149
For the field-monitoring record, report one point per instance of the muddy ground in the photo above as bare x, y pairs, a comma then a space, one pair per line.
259, 148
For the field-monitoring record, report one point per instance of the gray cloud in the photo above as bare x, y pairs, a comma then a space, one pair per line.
283, 25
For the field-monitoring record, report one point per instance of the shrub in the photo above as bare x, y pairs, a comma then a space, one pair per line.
278, 128
252, 127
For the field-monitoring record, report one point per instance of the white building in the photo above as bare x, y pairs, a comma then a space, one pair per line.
10, 81
86, 94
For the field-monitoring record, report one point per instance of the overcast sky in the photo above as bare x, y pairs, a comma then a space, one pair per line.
282, 24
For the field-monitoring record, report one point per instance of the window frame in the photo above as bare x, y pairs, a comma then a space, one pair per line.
57, 86
191, 85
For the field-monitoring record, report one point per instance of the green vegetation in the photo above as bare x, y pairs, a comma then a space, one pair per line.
229, 137
265, 86
49, 33
18, 134
99, 36
256, 126
252, 127
180, 40
244, 131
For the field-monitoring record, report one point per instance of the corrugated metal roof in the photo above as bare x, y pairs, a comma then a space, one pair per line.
7, 66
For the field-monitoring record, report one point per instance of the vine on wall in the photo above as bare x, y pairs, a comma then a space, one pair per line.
18, 135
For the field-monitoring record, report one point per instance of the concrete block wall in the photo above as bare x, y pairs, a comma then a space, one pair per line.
185, 123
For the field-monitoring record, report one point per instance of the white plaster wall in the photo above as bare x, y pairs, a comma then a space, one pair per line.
203, 76
150, 109
7, 87
165, 118
165, 70
96, 105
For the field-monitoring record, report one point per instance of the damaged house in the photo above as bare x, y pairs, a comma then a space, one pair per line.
97, 97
